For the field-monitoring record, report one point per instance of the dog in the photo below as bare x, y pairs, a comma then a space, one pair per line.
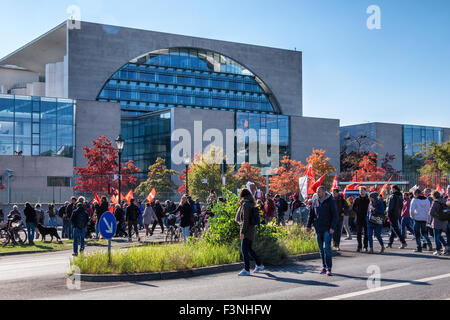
44, 231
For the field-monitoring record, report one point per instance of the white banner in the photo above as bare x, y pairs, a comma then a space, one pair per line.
303, 186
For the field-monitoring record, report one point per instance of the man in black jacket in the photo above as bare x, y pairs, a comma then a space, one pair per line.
79, 219
361, 206
395, 207
159, 211
70, 209
132, 214
31, 221
342, 206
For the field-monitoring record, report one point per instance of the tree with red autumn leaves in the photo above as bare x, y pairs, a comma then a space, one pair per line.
249, 173
101, 167
285, 181
321, 165
368, 169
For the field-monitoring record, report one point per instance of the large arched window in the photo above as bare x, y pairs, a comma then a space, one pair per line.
189, 78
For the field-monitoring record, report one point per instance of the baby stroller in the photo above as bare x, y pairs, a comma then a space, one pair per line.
174, 232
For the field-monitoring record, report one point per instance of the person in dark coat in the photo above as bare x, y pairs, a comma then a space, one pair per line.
132, 216
247, 232
395, 206
342, 207
119, 214
324, 216
159, 211
79, 219
30, 221
70, 209
438, 225
360, 207
185, 212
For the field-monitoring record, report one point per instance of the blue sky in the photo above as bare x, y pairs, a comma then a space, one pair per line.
398, 74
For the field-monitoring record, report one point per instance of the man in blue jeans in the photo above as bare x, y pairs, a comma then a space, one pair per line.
324, 216
80, 219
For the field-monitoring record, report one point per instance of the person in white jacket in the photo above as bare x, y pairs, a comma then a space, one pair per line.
148, 218
420, 208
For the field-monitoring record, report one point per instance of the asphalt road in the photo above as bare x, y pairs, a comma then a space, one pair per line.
404, 275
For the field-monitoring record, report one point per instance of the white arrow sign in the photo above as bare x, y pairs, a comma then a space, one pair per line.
110, 226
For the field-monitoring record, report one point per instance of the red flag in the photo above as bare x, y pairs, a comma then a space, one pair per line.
351, 187
439, 189
129, 196
114, 199
384, 187
335, 183
97, 198
316, 185
111, 209
374, 189
151, 196
310, 172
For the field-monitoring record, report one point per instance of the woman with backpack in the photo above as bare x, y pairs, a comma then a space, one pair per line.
375, 220
437, 224
247, 232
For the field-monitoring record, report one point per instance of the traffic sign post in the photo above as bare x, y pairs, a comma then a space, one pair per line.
108, 227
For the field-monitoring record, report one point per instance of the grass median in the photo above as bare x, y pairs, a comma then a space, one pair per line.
46, 246
195, 254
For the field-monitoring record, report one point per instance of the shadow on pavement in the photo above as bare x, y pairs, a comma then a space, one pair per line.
296, 281
144, 284
382, 279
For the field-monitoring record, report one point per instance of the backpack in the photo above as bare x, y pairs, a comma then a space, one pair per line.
255, 218
444, 212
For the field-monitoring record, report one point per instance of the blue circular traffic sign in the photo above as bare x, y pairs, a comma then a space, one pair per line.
108, 225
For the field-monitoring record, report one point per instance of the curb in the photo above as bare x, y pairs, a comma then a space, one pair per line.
184, 273
16, 253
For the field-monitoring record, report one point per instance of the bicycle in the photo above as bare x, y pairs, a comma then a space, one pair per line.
13, 231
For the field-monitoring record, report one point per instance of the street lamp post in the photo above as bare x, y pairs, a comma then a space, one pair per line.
120, 144
187, 161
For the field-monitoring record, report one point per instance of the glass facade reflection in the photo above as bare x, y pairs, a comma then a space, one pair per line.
36, 126
190, 78
246, 121
414, 139
146, 139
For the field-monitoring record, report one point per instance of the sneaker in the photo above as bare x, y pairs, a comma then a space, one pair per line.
382, 250
403, 246
258, 269
75, 254
348, 238
430, 247
323, 271
329, 273
424, 246
338, 249
371, 251
358, 250
389, 245
366, 250
418, 250
244, 273
437, 253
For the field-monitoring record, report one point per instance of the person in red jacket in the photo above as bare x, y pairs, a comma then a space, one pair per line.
270, 209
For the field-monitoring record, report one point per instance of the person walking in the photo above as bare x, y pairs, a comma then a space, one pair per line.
395, 206
79, 219
120, 219
375, 220
282, 208
159, 212
39, 217
347, 216
342, 207
437, 224
99, 211
270, 209
247, 232
63, 215
133, 213
184, 210
148, 218
360, 207
419, 211
30, 221
324, 216
51, 215
407, 222
70, 209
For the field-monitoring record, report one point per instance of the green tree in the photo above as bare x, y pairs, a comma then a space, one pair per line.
159, 177
441, 155
205, 173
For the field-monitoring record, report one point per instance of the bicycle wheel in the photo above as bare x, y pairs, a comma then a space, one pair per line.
4, 238
20, 236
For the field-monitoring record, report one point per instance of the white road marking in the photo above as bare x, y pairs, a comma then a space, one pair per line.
110, 287
393, 286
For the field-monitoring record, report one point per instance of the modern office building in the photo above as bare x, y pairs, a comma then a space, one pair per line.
403, 141
81, 81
